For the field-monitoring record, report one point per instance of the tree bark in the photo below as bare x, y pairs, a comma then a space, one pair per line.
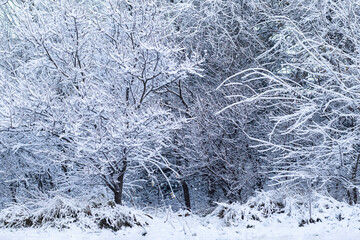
119, 186
13, 192
118, 196
119, 189
353, 179
186, 195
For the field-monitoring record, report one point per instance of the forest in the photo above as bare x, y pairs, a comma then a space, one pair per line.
185, 107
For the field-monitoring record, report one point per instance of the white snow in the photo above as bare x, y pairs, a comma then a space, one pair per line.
194, 227
261, 218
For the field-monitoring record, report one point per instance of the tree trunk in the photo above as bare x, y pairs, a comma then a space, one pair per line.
355, 195
186, 195
118, 197
309, 200
13, 192
118, 189
119, 186
353, 179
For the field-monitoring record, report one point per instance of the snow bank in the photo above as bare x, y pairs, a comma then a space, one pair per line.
62, 213
269, 215
269, 207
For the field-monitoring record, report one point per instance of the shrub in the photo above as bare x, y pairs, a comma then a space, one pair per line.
62, 213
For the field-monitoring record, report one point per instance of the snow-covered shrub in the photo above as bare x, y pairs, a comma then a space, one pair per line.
57, 212
329, 209
63, 213
281, 207
116, 217
15, 216
262, 206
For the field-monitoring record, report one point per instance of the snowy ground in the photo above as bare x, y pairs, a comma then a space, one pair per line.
193, 227
261, 218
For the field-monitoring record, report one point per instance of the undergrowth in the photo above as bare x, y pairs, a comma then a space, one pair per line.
278, 207
62, 213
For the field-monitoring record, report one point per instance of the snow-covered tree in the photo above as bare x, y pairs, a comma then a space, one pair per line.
88, 85
312, 90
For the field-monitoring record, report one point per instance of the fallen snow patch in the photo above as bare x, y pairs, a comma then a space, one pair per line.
263, 217
274, 207
62, 213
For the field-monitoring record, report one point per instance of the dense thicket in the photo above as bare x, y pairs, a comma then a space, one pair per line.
201, 101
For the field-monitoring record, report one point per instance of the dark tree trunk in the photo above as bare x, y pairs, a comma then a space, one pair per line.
118, 197
211, 192
354, 198
119, 186
355, 195
13, 192
348, 193
186, 195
